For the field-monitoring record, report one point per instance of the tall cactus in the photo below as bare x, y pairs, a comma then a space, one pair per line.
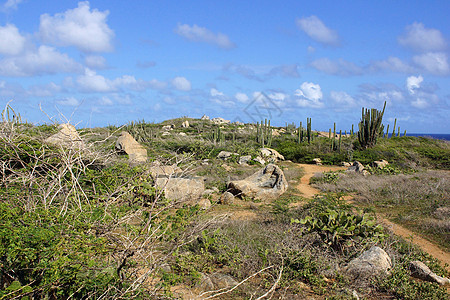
370, 127
308, 130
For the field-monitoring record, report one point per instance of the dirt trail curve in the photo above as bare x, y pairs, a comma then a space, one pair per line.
308, 191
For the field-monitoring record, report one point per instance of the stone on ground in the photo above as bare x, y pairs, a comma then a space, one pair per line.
269, 182
181, 188
374, 261
420, 270
67, 137
136, 152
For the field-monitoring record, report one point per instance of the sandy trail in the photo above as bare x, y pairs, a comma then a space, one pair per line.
308, 191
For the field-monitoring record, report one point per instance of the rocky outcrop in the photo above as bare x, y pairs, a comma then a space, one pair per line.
269, 182
380, 164
181, 188
317, 161
205, 118
270, 155
357, 167
220, 121
67, 137
185, 124
372, 262
243, 160
420, 270
227, 198
127, 144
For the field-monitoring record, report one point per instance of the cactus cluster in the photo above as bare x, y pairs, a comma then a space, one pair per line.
264, 133
370, 127
218, 135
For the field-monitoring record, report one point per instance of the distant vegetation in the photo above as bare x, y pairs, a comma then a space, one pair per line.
84, 223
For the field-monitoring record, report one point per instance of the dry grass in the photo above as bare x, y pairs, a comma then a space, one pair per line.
419, 201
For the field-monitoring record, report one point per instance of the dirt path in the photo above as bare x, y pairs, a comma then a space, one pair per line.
308, 191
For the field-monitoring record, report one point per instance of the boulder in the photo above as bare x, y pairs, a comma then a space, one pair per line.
220, 121
181, 188
259, 159
185, 124
243, 160
204, 204
271, 155
227, 198
239, 123
168, 127
420, 270
67, 137
127, 144
372, 262
225, 154
317, 161
357, 167
380, 164
216, 281
205, 118
182, 134
345, 164
269, 182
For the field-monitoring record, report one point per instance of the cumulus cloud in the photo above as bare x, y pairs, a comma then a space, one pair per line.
413, 82
201, 34
420, 38
45, 90
215, 93
316, 30
106, 101
277, 96
181, 84
44, 60
79, 27
92, 82
309, 95
339, 67
11, 41
435, 63
241, 97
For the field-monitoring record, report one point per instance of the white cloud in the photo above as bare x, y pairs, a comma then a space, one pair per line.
342, 98
433, 62
420, 103
391, 64
277, 96
80, 27
424, 39
95, 62
69, 101
340, 67
316, 30
181, 84
11, 41
46, 60
105, 101
215, 93
413, 82
46, 90
285, 71
92, 82
241, 97
309, 95
10, 5
201, 34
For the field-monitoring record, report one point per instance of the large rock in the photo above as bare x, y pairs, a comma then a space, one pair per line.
243, 160
136, 152
372, 262
271, 155
269, 182
225, 154
185, 124
181, 188
205, 118
357, 167
220, 121
420, 270
380, 164
227, 198
317, 161
66, 137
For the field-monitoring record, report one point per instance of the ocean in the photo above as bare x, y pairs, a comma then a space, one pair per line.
438, 136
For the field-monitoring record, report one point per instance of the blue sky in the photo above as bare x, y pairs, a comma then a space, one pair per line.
109, 62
